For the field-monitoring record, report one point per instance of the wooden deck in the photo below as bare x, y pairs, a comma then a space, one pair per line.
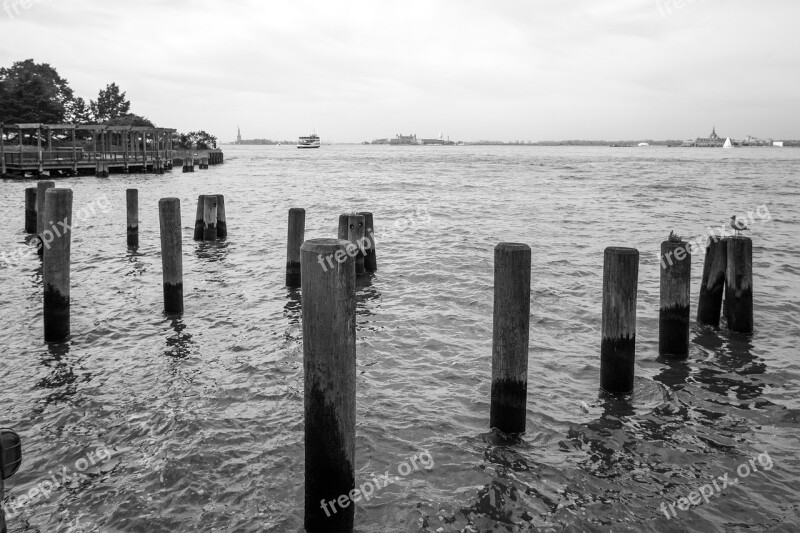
111, 149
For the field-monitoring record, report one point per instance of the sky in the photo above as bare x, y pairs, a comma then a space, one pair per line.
501, 70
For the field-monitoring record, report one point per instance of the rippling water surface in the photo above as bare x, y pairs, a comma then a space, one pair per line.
202, 415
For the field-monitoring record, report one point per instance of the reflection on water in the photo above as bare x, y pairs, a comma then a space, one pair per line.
180, 344
61, 376
211, 251
137, 267
674, 373
292, 309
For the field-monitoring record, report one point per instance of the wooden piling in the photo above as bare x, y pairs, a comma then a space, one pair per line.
41, 187
713, 283
351, 228
55, 265
329, 365
511, 325
673, 317
222, 225
618, 346
41, 223
198, 219
132, 204
294, 239
370, 258
169, 215
210, 217
30, 210
739, 284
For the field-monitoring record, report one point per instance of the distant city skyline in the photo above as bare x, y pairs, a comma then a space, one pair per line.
594, 70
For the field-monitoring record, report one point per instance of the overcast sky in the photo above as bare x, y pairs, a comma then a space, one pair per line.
353, 71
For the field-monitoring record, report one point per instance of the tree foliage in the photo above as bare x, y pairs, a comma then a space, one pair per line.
130, 120
199, 140
110, 104
78, 112
33, 92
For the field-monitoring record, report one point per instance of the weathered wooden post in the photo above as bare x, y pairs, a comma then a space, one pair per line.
618, 347
370, 258
739, 284
198, 219
329, 366
30, 210
295, 237
673, 315
41, 188
41, 223
222, 225
132, 203
511, 325
169, 215
351, 228
55, 269
209, 217
713, 284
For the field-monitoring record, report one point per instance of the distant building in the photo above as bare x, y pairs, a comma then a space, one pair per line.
404, 139
380, 141
712, 140
777, 143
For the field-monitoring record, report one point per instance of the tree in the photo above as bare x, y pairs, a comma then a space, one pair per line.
33, 92
78, 112
129, 120
199, 140
110, 104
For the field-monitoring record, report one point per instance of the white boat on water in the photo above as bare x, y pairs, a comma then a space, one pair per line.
727, 143
311, 141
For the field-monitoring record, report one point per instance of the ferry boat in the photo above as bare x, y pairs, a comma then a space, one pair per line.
312, 141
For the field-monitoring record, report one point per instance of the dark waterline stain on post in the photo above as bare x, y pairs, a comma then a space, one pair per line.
56, 315
328, 472
673, 327
617, 357
508, 406
173, 298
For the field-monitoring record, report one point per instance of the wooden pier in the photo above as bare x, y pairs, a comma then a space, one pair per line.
112, 148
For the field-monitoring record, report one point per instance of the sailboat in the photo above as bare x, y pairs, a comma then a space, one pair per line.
727, 143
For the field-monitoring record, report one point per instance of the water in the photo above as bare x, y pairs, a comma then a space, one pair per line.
195, 424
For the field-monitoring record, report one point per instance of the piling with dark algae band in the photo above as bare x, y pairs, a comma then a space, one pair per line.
618, 345
370, 257
132, 211
329, 367
30, 210
55, 265
739, 284
294, 239
673, 312
712, 286
169, 215
351, 228
222, 225
210, 217
198, 219
511, 324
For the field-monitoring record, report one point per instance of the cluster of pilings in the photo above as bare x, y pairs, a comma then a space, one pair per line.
355, 228
327, 268
728, 265
210, 222
215, 157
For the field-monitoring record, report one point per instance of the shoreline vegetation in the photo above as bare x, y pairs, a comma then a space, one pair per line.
34, 93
